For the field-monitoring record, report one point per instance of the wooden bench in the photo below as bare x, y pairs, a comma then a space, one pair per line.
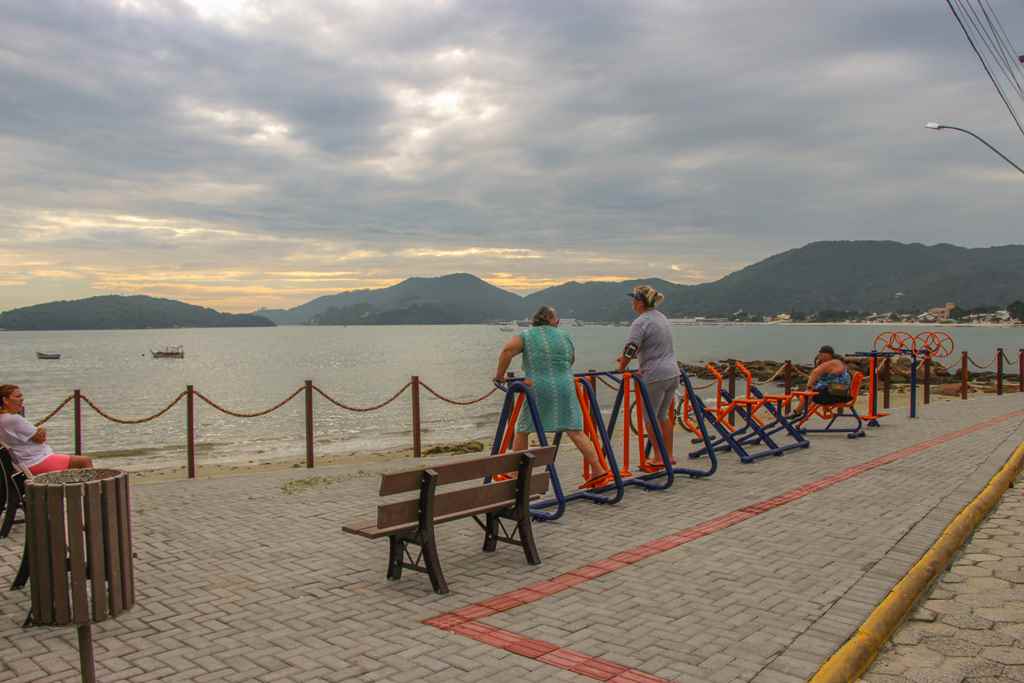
412, 521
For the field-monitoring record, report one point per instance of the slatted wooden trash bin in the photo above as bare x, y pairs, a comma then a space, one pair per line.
79, 546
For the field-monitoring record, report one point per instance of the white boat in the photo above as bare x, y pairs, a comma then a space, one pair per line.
169, 352
508, 328
524, 323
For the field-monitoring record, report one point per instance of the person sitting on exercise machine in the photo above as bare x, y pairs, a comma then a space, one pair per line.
830, 378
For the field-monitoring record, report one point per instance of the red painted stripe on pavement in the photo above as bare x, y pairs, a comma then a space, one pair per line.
464, 621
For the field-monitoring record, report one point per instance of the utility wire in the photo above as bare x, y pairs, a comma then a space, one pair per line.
994, 46
992, 78
1016, 66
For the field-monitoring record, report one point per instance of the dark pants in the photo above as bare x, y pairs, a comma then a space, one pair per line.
824, 398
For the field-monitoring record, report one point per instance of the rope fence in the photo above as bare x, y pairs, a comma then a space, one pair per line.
785, 373
356, 409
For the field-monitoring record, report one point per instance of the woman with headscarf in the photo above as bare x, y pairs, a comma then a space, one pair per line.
548, 356
650, 340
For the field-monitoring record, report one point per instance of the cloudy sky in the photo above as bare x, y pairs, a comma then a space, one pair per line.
242, 153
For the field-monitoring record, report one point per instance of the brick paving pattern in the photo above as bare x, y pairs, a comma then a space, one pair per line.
971, 626
237, 581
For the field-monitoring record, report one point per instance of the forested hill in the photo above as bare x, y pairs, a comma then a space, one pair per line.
870, 276
455, 298
122, 313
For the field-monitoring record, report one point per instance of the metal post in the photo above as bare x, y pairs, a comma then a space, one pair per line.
963, 375
309, 423
78, 421
886, 385
787, 378
417, 447
732, 389
999, 371
873, 383
913, 386
927, 378
190, 427
1020, 370
85, 654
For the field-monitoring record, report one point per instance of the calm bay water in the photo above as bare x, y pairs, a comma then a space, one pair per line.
251, 369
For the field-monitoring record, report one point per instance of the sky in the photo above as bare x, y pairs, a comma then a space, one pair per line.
242, 154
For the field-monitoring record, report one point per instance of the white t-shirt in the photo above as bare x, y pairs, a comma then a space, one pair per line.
16, 436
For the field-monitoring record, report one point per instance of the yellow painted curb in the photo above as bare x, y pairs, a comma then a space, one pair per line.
857, 653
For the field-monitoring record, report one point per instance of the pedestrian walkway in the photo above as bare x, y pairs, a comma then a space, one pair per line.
971, 626
756, 574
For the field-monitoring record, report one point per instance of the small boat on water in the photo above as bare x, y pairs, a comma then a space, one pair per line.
169, 352
507, 328
47, 356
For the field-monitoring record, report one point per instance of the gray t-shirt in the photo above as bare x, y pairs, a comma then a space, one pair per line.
652, 333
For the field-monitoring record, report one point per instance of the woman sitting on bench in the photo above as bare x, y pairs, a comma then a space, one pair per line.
26, 442
830, 378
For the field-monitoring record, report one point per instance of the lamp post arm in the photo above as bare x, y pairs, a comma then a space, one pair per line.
985, 142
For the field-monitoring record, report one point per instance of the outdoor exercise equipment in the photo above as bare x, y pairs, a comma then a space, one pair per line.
873, 415
516, 396
751, 431
929, 344
651, 470
832, 412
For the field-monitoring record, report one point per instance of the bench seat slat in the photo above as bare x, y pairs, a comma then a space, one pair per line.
452, 473
367, 528
407, 511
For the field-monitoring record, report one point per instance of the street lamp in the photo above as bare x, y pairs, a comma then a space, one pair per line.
939, 126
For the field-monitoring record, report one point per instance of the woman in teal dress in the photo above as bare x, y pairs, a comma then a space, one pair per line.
548, 355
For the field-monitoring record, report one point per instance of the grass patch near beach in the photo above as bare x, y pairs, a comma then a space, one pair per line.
290, 488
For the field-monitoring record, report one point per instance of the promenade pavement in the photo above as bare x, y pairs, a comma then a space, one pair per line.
971, 625
756, 574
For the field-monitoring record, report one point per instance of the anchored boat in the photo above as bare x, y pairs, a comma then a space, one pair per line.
169, 352
47, 356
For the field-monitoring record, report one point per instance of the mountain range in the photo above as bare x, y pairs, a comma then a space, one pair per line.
870, 276
878, 276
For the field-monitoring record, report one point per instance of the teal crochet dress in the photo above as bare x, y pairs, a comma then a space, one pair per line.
547, 360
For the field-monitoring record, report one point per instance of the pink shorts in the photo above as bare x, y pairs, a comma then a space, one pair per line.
54, 462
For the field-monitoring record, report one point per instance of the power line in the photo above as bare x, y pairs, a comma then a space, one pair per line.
994, 45
1011, 53
992, 78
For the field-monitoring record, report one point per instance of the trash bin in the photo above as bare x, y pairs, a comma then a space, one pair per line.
79, 548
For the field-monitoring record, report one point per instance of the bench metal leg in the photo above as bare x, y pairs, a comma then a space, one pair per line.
491, 533
396, 551
9, 513
433, 563
22, 577
526, 538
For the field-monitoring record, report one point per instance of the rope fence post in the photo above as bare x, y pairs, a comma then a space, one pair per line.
886, 383
963, 375
417, 445
190, 428
927, 378
787, 378
732, 389
309, 424
999, 371
78, 421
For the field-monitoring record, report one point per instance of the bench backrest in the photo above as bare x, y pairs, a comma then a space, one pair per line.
495, 494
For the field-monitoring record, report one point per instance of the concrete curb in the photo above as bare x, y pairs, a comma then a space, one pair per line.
857, 653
